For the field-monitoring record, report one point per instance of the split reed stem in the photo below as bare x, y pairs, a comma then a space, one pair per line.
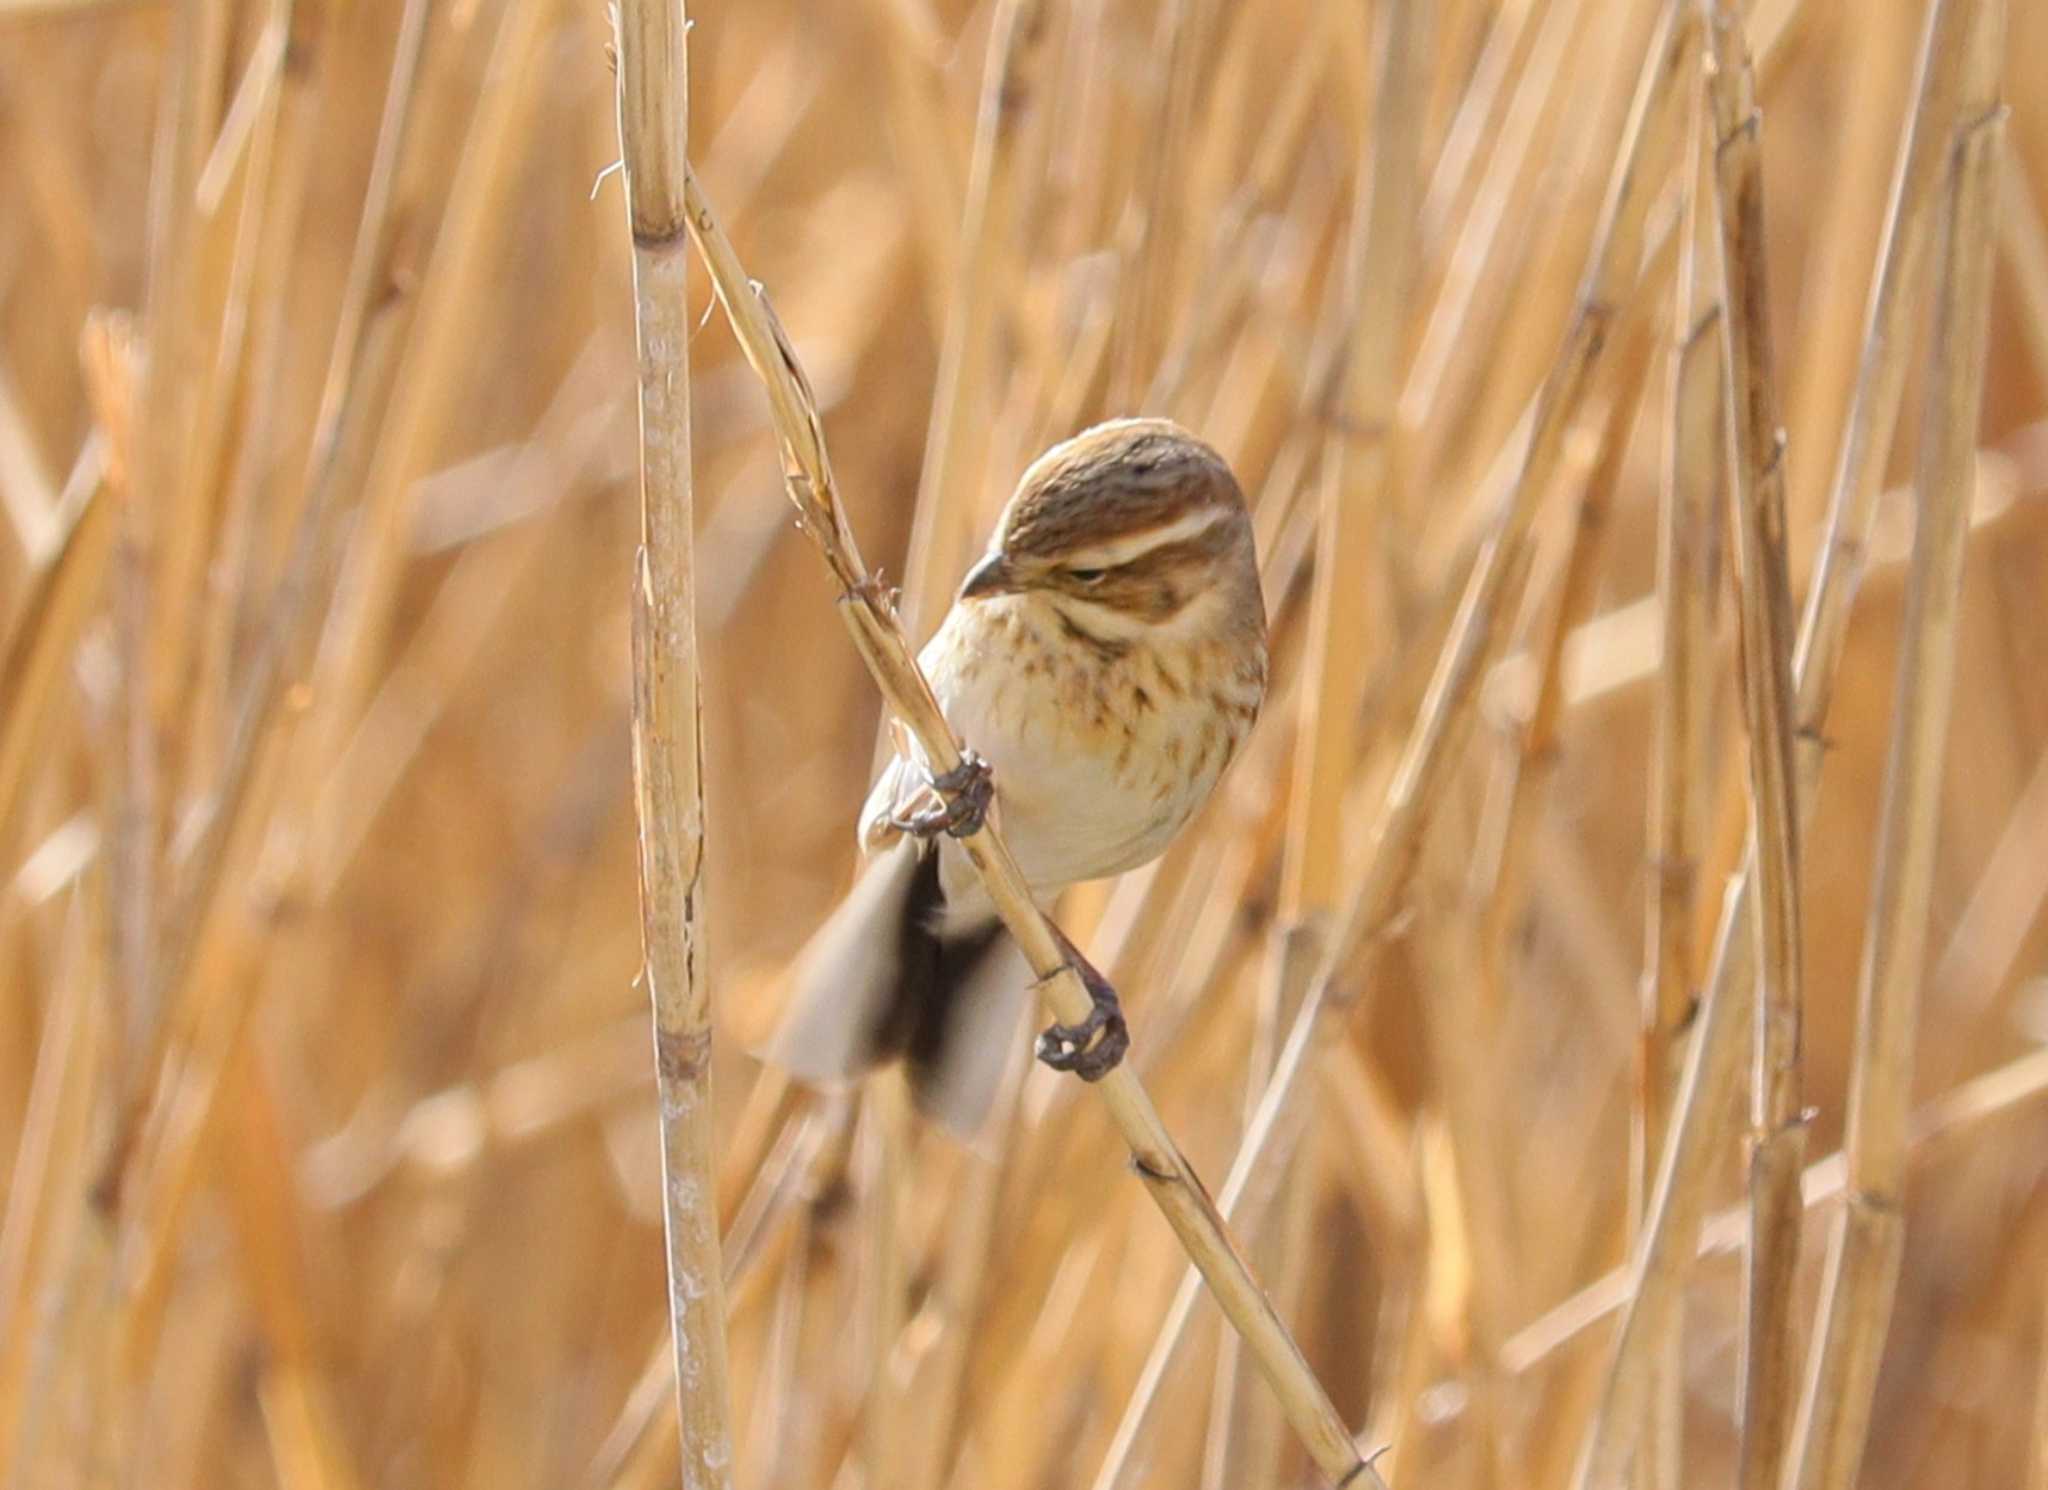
668, 748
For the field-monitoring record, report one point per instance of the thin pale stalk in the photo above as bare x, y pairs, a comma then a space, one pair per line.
954, 1304
427, 384
251, 443
27, 495
885, 1277
821, 1190
228, 231
878, 635
912, 52
1182, 36
1477, 120
61, 595
1868, 1241
1228, 269
213, 1018
1355, 470
156, 508
1881, 373
1461, 1023
1466, 1197
956, 439
147, 460
1987, 940
1690, 488
43, 1212
1509, 346
2024, 238
1521, 778
294, 1387
668, 731
1479, 237
772, 1437
1870, 50
1229, 1457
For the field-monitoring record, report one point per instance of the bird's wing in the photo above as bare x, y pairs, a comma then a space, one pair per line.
845, 985
970, 1044
880, 980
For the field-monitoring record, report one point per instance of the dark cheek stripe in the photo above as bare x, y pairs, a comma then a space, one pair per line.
1108, 648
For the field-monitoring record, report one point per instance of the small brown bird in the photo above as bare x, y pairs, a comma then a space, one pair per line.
1104, 659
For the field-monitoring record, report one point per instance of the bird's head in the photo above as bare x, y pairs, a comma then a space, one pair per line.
1133, 528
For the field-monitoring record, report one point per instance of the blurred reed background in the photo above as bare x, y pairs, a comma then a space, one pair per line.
325, 1086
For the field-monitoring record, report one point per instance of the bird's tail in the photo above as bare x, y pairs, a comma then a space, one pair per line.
878, 982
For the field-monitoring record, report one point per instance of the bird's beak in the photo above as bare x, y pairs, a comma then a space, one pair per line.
992, 576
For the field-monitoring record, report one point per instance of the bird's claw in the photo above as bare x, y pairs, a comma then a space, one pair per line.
965, 793
1094, 1047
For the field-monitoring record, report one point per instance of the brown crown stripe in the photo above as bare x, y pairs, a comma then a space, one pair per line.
1115, 482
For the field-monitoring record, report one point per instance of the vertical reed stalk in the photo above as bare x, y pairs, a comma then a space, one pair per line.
668, 750
1867, 1246
1757, 459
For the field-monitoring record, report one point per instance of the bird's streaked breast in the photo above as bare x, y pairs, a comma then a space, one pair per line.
1100, 757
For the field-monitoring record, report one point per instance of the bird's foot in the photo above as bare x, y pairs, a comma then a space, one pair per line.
965, 793
1094, 1047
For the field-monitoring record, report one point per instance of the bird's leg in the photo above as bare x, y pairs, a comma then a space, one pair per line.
965, 793
1094, 1047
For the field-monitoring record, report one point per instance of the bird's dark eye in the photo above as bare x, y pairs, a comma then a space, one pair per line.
1086, 576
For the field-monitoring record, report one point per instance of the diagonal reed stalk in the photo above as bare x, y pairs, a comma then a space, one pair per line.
1756, 448
668, 744
1868, 1243
878, 634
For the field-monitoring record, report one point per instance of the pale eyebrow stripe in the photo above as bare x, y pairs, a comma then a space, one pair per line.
1127, 546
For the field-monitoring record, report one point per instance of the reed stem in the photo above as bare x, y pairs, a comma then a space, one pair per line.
668, 730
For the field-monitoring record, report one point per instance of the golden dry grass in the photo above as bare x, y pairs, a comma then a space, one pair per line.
328, 1098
